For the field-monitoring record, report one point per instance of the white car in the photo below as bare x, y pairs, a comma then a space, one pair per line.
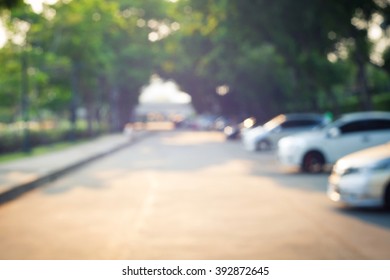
362, 178
311, 151
266, 137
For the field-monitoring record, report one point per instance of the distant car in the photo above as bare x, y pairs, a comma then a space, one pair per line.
362, 178
232, 132
311, 151
220, 123
205, 122
266, 137
235, 131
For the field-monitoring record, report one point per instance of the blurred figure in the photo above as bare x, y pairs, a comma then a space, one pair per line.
128, 131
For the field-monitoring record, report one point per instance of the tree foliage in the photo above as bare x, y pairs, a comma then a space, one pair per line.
274, 56
8, 4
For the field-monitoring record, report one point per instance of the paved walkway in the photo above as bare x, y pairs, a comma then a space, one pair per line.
19, 176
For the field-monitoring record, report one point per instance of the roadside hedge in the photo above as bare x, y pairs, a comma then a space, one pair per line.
11, 142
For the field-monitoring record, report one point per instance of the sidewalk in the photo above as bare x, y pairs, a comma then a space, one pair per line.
19, 176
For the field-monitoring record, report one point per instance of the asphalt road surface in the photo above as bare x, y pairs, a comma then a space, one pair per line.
189, 195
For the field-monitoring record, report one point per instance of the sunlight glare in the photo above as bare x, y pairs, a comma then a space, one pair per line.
37, 5
153, 36
163, 91
3, 35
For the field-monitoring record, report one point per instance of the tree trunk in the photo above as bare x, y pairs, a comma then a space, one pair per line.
114, 110
73, 102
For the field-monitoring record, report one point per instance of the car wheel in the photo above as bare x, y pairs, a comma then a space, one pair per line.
387, 197
313, 162
263, 145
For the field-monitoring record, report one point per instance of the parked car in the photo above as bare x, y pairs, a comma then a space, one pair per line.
362, 178
266, 137
232, 132
236, 130
205, 122
311, 151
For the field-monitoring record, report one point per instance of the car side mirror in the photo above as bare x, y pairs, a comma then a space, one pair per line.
334, 132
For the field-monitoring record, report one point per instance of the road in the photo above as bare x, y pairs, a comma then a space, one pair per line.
189, 195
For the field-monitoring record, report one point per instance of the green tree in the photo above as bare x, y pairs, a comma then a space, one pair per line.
305, 32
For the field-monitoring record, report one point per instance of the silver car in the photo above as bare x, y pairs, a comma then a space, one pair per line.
362, 178
266, 137
312, 151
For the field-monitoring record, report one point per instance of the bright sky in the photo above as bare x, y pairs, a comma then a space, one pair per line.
159, 91
3, 38
36, 5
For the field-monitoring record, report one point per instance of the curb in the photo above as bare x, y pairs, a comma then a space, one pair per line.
20, 189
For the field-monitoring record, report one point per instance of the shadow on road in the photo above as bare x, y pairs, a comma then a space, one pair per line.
70, 183
377, 216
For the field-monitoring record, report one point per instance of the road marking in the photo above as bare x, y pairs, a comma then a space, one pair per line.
147, 205
130, 234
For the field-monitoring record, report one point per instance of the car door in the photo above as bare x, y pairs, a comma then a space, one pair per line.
354, 136
290, 127
378, 132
